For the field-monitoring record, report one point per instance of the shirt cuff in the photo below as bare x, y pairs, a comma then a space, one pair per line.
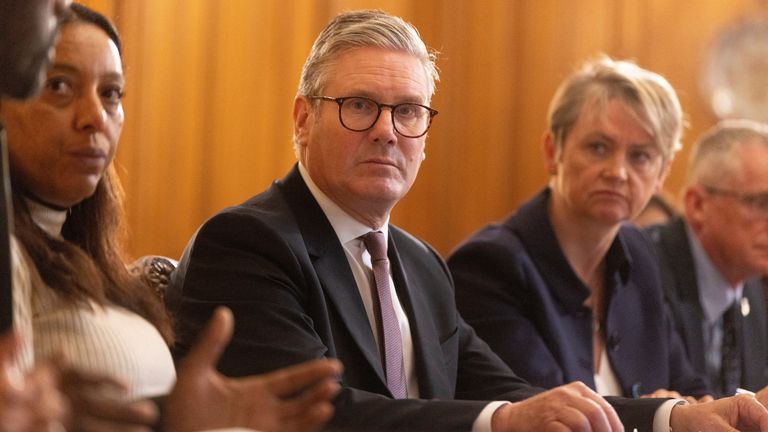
483, 421
664, 414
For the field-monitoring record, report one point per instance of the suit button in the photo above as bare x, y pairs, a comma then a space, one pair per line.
613, 341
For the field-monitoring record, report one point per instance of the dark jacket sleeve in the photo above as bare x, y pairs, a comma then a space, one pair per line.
492, 295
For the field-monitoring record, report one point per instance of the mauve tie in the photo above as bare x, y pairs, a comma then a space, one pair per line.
390, 327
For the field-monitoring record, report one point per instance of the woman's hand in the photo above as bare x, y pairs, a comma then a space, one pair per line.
98, 404
30, 403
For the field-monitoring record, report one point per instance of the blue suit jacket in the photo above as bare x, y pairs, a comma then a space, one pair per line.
516, 288
277, 263
682, 293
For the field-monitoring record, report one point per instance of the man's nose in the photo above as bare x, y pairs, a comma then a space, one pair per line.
384, 128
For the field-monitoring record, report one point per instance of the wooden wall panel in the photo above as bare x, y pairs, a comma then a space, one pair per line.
211, 85
674, 39
164, 147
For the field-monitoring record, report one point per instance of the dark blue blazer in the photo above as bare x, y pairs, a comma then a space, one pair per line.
516, 288
682, 293
277, 263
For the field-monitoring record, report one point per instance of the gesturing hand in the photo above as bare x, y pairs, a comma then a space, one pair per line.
28, 403
296, 398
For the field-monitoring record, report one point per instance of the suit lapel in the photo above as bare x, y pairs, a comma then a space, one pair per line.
332, 267
340, 286
675, 245
426, 342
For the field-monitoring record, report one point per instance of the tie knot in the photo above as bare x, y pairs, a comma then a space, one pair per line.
377, 247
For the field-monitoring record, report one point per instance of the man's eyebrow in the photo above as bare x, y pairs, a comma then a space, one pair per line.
367, 94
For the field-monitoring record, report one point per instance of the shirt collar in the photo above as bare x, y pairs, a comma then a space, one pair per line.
715, 294
346, 227
49, 219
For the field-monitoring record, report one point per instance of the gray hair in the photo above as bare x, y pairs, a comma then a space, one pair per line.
650, 97
713, 156
358, 29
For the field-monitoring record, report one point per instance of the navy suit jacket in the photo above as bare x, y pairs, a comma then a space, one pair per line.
277, 263
516, 288
682, 293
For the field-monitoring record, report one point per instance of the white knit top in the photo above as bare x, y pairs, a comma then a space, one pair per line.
106, 340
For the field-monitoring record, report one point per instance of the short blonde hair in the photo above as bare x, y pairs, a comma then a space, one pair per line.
650, 97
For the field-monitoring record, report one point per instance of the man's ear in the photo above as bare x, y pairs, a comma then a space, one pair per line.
693, 203
550, 153
302, 111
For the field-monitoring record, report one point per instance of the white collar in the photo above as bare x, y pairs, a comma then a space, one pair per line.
346, 227
715, 293
48, 219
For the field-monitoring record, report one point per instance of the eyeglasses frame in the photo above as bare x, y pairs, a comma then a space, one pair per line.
746, 199
340, 101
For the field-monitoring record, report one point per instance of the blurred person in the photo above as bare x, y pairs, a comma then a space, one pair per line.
657, 211
28, 401
713, 257
28, 29
105, 326
312, 267
565, 289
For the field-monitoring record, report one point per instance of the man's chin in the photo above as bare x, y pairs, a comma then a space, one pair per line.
383, 192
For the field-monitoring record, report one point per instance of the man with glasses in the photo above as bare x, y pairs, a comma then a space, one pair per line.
312, 268
713, 256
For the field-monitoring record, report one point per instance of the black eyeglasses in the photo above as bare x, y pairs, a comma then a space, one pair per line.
756, 203
359, 114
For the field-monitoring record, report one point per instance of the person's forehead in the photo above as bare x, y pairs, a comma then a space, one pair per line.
378, 67
88, 48
751, 163
597, 113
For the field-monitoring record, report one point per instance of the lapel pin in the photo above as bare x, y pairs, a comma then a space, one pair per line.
744, 306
